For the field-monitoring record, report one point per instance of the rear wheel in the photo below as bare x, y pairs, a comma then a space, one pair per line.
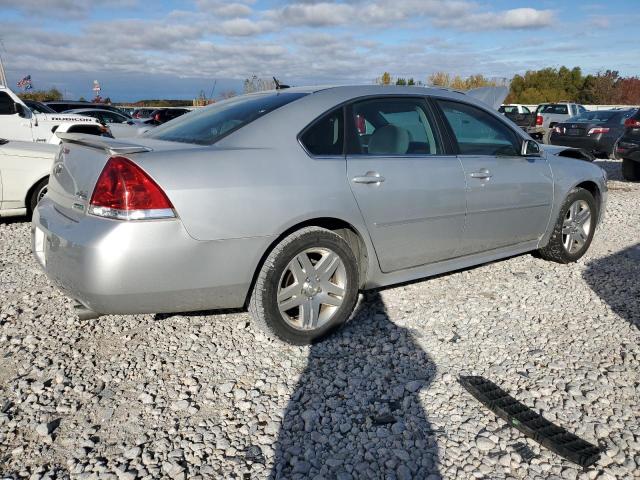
630, 170
39, 191
574, 229
307, 287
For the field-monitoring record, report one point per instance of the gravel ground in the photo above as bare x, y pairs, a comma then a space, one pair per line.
206, 396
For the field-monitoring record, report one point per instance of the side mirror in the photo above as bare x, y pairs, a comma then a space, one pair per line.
530, 148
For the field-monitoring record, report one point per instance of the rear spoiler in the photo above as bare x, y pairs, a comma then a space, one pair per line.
109, 145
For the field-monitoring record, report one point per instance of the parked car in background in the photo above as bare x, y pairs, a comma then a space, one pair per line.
65, 105
163, 115
596, 132
24, 174
518, 114
549, 114
628, 148
19, 122
38, 107
293, 201
141, 113
119, 124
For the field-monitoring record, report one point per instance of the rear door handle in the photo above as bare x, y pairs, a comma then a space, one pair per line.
369, 178
482, 174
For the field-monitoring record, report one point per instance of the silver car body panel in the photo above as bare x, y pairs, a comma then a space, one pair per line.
236, 199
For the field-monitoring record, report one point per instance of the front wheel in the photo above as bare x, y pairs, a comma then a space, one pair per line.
574, 229
630, 170
306, 288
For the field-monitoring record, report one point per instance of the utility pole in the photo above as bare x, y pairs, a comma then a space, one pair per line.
3, 76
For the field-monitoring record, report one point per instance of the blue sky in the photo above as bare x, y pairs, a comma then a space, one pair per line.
173, 49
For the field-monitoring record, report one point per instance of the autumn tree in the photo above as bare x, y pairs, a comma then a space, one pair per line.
50, 95
384, 79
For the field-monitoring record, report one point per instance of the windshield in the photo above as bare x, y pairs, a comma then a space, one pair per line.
594, 117
37, 107
209, 124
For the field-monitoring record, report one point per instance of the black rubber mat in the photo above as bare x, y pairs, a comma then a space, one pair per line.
532, 424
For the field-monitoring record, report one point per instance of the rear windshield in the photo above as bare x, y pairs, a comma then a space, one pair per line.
208, 125
559, 109
603, 116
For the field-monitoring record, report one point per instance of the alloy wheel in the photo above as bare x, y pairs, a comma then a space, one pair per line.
576, 226
312, 288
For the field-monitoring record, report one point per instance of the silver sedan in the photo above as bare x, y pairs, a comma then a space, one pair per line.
290, 202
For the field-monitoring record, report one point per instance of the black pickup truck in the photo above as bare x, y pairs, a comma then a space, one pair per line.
519, 114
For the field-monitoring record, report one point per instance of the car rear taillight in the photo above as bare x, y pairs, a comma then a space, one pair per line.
632, 123
125, 192
597, 130
539, 120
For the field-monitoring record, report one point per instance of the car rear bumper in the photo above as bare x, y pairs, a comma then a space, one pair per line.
590, 144
119, 267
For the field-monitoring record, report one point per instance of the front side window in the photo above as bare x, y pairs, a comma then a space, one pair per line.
209, 124
326, 135
391, 126
478, 132
111, 117
6, 104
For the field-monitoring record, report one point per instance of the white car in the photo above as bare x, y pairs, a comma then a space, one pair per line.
18, 122
24, 175
120, 125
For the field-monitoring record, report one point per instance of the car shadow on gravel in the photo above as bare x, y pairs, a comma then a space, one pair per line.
616, 280
355, 412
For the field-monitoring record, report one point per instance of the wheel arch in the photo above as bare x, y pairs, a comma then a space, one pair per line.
352, 235
592, 187
27, 199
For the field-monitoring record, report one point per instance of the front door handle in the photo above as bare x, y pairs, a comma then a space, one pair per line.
369, 178
482, 174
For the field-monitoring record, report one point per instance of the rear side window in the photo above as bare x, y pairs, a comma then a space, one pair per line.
6, 104
209, 124
553, 109
390, 126
602, 116
478, 132
326, 135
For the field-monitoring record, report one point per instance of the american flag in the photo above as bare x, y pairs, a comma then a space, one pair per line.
25, 83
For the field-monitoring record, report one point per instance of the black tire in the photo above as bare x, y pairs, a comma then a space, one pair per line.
630, 170
36, 194
555, 250
263, 305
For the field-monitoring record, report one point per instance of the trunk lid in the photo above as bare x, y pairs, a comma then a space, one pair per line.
576, 129
80, 161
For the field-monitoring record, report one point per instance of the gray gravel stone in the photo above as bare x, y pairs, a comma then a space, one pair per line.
207, 396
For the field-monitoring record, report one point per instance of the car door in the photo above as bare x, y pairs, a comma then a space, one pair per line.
410, 193
12, 125
509, 196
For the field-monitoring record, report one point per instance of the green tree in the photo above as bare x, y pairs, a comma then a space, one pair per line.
401, 81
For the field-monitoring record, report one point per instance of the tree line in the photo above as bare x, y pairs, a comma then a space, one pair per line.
534, 87
545, 85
